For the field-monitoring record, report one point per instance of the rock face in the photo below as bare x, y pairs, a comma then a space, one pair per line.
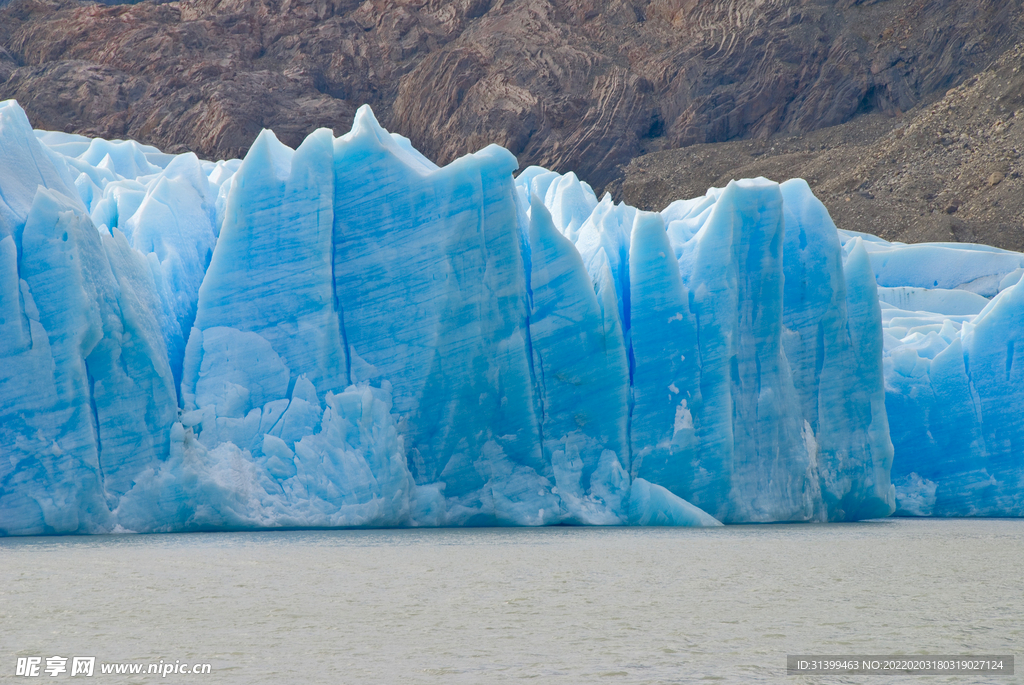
948, 171
569, 84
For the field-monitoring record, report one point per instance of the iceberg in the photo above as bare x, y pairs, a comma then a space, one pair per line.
346, 334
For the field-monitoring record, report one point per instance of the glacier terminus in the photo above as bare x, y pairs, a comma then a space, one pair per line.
346, 334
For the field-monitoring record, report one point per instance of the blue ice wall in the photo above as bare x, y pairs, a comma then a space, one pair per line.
87, 396
953, 320
746, 332
429, 274
345, 334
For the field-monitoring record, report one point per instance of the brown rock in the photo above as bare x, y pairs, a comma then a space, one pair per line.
914, 185
571, 84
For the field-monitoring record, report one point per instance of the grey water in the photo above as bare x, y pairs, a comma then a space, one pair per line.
551, 605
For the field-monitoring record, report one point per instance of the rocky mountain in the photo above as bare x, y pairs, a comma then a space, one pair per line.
949, 171
570, 84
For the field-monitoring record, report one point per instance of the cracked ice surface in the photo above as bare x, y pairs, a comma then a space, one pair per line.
345, 334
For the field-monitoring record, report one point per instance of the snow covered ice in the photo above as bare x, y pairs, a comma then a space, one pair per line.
345, 334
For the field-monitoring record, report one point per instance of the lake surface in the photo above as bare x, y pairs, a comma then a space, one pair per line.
552, 605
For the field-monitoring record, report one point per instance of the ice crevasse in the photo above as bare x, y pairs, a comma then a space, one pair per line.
345, 334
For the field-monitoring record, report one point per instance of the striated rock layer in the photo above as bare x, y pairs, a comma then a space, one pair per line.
568, 84
946, 171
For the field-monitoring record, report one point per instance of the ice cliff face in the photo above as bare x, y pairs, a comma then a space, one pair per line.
953, 320
752, 345
345, 334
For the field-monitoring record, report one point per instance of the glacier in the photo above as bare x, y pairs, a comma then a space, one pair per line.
346, 334
953, 317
